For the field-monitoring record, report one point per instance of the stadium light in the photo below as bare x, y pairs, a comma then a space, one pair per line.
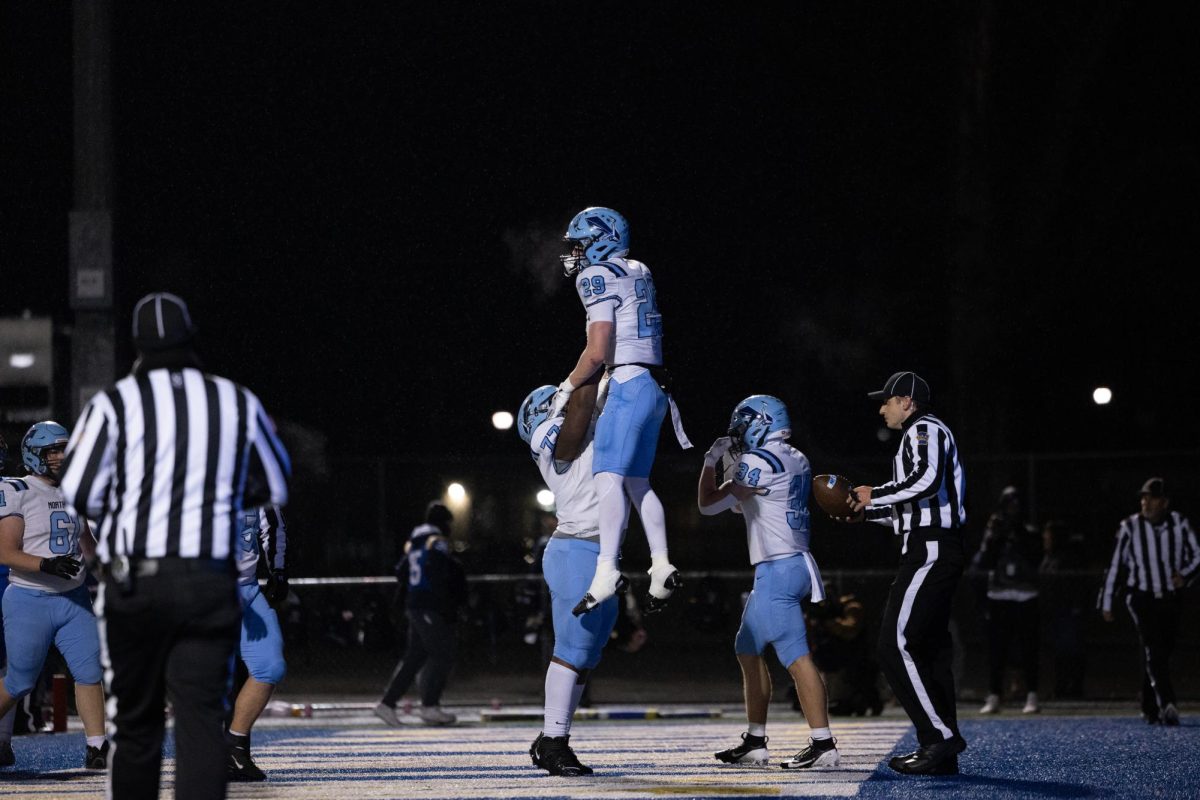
502, 420
545, 499
456, 493
1102, 395
21, 360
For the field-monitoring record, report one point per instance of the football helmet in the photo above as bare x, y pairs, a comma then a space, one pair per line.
755, 419
33, 445
596, 233
534, 410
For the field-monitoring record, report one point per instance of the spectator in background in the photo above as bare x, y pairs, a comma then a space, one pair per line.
436, 586
845, 654
1156, 551
1067, 596
1011, 552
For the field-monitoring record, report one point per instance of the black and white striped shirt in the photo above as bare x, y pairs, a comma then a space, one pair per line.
928, 486
167, 460
1149, 555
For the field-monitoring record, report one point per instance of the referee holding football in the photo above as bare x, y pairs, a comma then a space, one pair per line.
924, 503
166, 460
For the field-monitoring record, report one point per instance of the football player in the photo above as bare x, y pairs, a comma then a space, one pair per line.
263, 533
46, 603
770, 486
563, 449
624, 334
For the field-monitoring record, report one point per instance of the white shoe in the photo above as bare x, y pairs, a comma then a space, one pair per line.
817, 754
388, 715
991, 705
434, 715
607, 581
1031, 704
663, 580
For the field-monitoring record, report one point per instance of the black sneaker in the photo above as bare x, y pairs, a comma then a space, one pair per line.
752, 751
819, 753
96, 757
241, 766
929, 759
554, 754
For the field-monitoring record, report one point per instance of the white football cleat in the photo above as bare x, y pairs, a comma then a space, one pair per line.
607, 581
991, 705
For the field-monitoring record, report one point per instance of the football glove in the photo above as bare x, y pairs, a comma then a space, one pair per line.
561, 397
719, 448
60, 566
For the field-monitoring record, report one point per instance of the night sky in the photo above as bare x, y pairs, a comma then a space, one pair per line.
362, 204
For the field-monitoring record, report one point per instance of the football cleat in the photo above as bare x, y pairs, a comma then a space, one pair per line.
664, 580
991, 705
605, 583
96, 757
554, 754
752, 752
241, 767
819, 753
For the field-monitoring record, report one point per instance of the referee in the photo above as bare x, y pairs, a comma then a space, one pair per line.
924, 503
166, 460
1157, 552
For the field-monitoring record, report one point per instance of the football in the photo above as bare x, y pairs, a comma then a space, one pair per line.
831, 493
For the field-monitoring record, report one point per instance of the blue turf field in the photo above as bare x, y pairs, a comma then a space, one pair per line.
1046, 757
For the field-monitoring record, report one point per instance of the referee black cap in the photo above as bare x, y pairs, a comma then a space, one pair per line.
160, 322
903, 384
1155, 487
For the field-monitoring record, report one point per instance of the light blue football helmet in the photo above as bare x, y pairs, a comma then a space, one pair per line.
33, 445
534, 411
756, 418
599, 233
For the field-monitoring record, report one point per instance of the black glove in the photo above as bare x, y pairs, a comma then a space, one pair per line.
60, 566
276, 589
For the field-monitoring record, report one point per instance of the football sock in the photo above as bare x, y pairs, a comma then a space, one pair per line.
650, 509
821, 733
756, 730
560, 691
612, 508
95, 741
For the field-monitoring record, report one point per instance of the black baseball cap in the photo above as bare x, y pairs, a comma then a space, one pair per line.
1155, 487
903, 384
160, 322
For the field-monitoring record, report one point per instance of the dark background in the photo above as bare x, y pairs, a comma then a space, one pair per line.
362, 204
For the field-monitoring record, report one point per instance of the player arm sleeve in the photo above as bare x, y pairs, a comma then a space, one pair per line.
90, 459
272, 535
268, 467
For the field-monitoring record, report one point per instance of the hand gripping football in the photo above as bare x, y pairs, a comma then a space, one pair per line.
831, 493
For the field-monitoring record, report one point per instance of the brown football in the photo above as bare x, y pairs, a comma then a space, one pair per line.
831, 493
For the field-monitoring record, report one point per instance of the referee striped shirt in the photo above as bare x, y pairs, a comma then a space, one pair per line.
167, 459
1149, 555
927, 486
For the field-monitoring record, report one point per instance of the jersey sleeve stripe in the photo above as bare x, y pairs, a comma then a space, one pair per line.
769, 457
603, 299
614, 269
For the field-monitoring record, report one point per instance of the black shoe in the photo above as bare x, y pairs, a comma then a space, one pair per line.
752, 750
241, 766
819, 753
947, 767
7, 757
927, 759
554, 754
96, 757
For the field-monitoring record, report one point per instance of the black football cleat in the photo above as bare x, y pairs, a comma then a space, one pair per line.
241, 767
655, 604
554, 754
751, 752
589, 601
819, 753
96, 757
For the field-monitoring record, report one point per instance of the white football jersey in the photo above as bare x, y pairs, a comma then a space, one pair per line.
50, 530
571, 481
621, 291
777, 518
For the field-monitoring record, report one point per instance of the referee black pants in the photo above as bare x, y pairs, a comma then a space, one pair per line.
1157, 622
171, 637
429, 653
915, 649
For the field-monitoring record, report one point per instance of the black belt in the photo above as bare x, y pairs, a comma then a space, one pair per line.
122, 567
